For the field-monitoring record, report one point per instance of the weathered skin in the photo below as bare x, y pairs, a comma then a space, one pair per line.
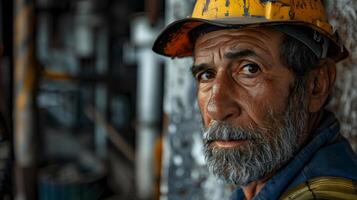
241, 91
246, 99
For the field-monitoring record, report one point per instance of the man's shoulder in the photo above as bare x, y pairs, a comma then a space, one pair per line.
335, 159
323, 188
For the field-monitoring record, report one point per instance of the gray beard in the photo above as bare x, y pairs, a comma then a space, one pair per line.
265, 150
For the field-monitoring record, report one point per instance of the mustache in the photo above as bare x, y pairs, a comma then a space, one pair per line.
225, 131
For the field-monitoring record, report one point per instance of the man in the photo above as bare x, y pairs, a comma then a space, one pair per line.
265, 71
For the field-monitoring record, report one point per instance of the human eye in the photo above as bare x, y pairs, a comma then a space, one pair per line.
250, 70
205, 76
247, 72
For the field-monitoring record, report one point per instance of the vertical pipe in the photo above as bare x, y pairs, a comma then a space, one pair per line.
149, 105
101, 92
149, 118
84, 32
24, 88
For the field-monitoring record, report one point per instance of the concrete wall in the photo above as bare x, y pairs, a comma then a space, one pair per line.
343, 15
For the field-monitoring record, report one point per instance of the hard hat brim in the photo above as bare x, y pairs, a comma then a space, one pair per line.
175, 41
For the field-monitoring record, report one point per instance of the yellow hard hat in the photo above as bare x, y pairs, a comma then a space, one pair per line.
292, 17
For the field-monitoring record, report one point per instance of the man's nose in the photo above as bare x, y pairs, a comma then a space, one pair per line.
222, 104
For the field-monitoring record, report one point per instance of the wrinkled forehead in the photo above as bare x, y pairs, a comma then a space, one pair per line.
262, 39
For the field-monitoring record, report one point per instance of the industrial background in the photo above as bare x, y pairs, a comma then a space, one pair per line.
88, 111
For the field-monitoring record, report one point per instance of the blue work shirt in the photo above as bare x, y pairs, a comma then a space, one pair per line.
327, 154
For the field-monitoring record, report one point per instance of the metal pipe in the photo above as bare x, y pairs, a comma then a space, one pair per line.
149, 105
101, 92
148, 129
24, 86
84, 32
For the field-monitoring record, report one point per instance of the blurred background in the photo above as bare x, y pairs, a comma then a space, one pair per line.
88, 111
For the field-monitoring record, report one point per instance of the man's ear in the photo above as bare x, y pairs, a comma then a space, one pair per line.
320, 84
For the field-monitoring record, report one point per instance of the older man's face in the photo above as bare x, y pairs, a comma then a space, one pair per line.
249, 109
